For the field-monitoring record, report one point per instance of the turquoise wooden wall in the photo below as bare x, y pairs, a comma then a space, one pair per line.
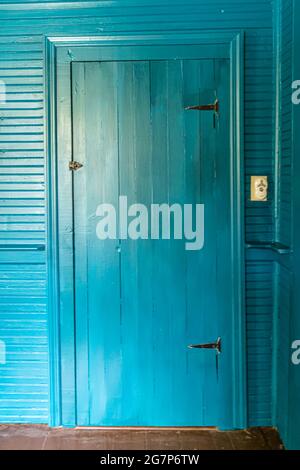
284, 161
23, 313
287, 375
293, 440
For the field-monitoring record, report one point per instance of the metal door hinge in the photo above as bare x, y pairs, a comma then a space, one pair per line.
205, 107
216, 346
73, 166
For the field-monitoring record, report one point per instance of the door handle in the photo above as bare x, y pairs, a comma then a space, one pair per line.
216, 346
74, 166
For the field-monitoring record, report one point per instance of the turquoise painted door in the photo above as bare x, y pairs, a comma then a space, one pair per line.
141, 302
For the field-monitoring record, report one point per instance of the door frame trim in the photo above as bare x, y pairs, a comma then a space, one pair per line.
60, 52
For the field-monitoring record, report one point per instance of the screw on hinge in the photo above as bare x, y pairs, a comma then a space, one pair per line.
73, 166
70, 54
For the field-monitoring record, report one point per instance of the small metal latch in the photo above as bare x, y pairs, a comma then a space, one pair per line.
205, 107
216, 346
73, 166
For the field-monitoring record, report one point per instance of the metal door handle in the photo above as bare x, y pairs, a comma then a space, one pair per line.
216, 346
74, 166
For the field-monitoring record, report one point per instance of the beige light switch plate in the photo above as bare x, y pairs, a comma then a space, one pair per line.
259, 188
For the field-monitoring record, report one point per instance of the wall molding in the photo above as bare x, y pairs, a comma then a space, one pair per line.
60, 53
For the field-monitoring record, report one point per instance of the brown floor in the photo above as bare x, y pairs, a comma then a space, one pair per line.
19, 437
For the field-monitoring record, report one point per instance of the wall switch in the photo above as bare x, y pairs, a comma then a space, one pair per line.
259, 188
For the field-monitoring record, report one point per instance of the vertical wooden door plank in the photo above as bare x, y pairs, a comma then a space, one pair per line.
193, 188
176, 249
128, 254
143, 165
104, 275
66, 249
223, 187
201, 265
81, 108
134, 132
160, 270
